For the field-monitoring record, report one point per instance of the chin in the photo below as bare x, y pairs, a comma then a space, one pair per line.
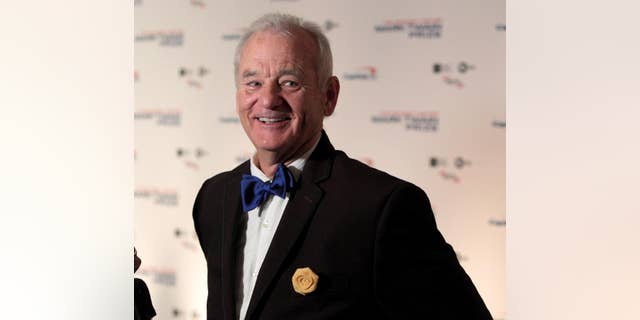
269, 145
271, 141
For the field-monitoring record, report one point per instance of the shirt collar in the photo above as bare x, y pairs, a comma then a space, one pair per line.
295, 166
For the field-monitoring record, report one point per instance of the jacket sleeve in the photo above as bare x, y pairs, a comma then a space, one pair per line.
416, 273
197, 212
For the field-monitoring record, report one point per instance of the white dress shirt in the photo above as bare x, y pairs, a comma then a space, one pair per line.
262, 223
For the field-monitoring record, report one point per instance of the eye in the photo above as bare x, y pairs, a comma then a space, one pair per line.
253, 84
289, 84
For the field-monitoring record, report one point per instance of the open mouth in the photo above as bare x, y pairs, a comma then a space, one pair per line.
272, 120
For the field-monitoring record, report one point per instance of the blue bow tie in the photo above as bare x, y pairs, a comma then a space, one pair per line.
254, 192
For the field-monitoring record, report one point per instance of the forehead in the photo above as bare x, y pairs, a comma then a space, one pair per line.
295, 46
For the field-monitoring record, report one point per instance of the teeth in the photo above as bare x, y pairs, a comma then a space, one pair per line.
271, 120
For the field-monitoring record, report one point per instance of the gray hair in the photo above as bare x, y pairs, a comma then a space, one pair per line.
283, 23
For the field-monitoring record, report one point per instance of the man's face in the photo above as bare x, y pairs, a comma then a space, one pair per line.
278, 98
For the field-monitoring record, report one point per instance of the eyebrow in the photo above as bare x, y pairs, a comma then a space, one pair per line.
249, 73
291, 72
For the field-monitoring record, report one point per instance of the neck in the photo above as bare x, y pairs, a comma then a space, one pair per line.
268, 161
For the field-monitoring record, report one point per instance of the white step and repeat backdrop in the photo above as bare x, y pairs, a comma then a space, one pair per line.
422, 97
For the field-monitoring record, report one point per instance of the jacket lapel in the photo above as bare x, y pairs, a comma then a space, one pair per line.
230, 230
301, 207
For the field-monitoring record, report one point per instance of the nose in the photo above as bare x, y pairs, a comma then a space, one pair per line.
270, 96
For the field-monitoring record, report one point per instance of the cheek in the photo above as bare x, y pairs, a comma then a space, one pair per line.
244, 101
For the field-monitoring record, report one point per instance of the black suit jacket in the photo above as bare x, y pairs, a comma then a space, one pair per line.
370, 237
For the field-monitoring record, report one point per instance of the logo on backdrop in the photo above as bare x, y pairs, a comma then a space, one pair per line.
233, 36
183, 314
425, 121
165, 38
161, 117
159, 275
191, 157
451, 73
229, 119
461, 257
193, 76
361, 73
368, 161
161, 197
197, 3
501, 27
499, 123
136, 76
137, 2
422, 28
329, 25
189, 240
498, 222
443, 166
449, 176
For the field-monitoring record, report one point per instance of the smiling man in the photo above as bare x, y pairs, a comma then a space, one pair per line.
302, 231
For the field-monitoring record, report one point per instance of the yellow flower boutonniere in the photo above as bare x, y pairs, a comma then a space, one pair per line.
304, 281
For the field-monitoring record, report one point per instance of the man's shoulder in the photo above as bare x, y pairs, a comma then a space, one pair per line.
357, 172
368, 186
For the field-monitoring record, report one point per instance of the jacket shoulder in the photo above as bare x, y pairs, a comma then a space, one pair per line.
359, 173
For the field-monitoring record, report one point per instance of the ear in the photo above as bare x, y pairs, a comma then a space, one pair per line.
331, 94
